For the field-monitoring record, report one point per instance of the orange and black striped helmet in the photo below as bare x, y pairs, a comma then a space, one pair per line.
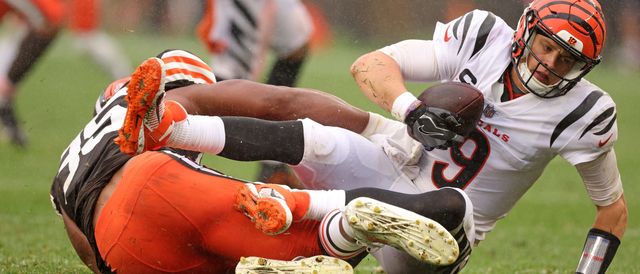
576, 25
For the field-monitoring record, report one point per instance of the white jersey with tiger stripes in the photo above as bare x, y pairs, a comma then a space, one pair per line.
236, 24
516, 139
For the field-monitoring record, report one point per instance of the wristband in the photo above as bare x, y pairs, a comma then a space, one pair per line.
598, 251
404, 104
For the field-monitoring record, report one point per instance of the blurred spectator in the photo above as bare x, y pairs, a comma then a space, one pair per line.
455, 9
43, 19
14, 30
240, 33
157, 16
628, 47
84, 24
321, 36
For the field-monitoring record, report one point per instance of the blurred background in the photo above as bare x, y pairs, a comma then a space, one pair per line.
543, 234
374, 21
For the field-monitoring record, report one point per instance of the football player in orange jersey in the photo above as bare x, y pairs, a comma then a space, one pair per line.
164, 212
44, 18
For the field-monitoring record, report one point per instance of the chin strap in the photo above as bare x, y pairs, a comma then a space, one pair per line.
598, 252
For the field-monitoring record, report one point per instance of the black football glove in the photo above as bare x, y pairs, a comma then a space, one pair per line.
433, 127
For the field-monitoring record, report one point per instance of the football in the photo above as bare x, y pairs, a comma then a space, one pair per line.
464, 100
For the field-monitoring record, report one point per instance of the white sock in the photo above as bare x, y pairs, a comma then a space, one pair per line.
199, 133
322, 202
336, 236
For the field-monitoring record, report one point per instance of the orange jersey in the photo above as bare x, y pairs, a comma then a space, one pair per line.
38, 13
170, 214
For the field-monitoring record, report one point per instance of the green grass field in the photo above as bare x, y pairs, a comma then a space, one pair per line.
543, 234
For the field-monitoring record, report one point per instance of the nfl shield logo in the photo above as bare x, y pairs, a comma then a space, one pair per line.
489, 111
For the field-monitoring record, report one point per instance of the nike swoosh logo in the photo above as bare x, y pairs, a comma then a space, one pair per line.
601, 143
421, 129
446, 35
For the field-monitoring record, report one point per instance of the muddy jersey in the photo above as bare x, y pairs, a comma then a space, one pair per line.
516, 139
89, 162
92, 158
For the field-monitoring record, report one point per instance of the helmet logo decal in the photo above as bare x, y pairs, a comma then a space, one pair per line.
571, 40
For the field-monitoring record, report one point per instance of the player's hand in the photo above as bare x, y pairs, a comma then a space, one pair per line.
433, 127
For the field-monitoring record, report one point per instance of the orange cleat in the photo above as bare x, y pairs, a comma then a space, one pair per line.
272, 207
149, 120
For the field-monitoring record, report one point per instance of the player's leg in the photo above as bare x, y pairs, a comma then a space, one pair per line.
211, 199
459, 222
368, 222
337, 158
143, 229
168, 213
44, 18
447, 207
292, 32
326, 157
443, 210
171, 69
10, 42
315, 264
84, 23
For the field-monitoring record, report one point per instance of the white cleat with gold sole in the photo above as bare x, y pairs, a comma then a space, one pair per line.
311, 265
374, 223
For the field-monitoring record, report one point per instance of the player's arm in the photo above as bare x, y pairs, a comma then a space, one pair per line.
602, 180
251, 99
379, 77
381, 74
80, 243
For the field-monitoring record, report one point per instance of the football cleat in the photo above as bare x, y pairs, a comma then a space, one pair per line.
268, 206
149, 120
375, 223
315, 265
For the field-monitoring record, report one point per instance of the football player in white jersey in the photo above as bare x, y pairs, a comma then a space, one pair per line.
240, 33
537, 106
